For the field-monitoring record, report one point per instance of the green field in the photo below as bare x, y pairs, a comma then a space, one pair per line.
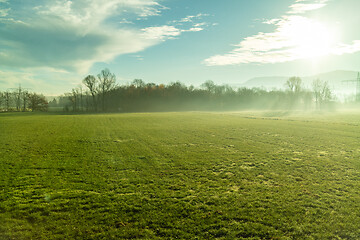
259, 175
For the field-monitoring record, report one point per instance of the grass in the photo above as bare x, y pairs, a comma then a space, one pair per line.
179, 175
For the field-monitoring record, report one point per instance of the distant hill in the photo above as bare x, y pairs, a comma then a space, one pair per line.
338, 81
336, 75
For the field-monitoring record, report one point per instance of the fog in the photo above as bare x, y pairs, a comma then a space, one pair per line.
101, 93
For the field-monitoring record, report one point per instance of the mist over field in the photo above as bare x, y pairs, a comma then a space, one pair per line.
101, 93
185, 119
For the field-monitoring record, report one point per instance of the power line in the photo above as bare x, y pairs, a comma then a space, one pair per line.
357, 81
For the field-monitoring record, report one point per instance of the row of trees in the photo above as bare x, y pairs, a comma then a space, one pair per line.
95, 96
101, 93
19, 99
321, 93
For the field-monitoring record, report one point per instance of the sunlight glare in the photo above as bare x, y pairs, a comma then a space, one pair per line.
309, 38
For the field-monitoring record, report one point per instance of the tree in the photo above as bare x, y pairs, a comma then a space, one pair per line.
209, 86
25, 96
322, 92
18, 93
90, 83
7, 98
37, 102
138, 83
74, 98
106, 84
1, 100
294, 84
53, 103
81, 104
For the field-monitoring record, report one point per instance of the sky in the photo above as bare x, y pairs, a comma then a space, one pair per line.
50, 46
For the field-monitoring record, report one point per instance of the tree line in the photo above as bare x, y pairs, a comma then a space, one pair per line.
101, 94
19, 99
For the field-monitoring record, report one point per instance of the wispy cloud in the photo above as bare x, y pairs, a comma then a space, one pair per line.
4, 12
166, 32
302, 6
191, 18
9, 78
295, 37
72, 35
95, 11
161, 33
191, 23
195, 22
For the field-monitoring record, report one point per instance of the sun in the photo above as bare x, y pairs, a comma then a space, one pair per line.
309, 38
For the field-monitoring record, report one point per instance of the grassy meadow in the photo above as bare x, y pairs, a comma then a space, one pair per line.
248, 175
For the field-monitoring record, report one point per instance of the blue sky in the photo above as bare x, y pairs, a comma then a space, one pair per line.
50, 46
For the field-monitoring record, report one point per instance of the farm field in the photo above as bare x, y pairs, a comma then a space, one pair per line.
192, 175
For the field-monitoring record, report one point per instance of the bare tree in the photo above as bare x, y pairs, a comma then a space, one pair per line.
74, 98
7, 98
81, 104
106, 84
90, 83
322, 92
18, 94
138, 83
294, 84
1, 100
25, 96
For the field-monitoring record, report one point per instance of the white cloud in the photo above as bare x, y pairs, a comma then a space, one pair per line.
193, 29
161, 33
91, 13
301, 7
125, 21
4, 12
347, 48
199, 24
190, 19
295, 37
166, 32
72, 35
